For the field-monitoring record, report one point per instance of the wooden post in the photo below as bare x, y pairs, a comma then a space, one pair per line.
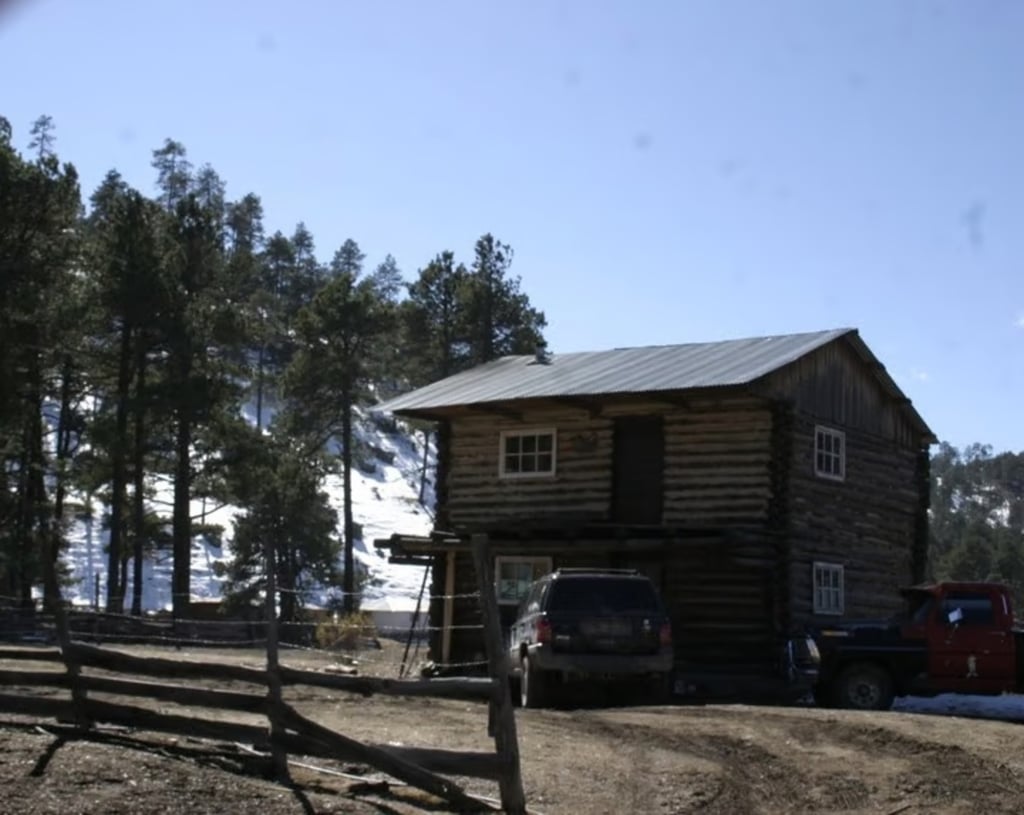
449, 609
275, 700
63, 627
501, 716
412, 626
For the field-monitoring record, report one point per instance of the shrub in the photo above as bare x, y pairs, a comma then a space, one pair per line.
346, 632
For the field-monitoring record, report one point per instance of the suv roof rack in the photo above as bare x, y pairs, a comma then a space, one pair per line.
586, 570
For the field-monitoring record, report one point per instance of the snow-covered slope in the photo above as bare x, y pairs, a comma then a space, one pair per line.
385, 493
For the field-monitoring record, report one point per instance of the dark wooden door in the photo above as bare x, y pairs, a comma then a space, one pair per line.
638, 470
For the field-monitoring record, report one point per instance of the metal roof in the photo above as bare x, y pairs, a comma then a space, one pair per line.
649, 369
621, 370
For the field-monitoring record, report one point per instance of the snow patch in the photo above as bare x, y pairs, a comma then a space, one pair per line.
385, 498
1007, 708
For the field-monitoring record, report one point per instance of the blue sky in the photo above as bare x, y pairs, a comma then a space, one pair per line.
666, 170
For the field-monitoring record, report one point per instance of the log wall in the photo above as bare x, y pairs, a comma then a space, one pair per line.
835, 385
717, 465
868, 523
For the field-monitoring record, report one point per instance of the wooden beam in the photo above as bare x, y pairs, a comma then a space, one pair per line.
449, 608
381, 758
500, 410
179, 694
503, 722
592, 407
456, 762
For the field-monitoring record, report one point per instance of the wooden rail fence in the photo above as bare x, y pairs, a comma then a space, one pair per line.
288, 731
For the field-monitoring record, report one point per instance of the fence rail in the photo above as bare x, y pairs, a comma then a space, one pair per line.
287, 730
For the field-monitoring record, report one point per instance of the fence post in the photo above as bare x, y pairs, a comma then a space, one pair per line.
62, 625
501, 717
275, 699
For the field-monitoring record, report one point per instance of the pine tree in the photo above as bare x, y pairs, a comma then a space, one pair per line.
285, 508
341, 334
39, 211
433, 323
499, 317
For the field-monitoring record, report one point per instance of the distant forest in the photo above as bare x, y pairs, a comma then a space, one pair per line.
135, 327
977, 516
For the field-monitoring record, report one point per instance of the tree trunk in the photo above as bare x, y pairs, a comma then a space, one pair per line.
56, 531
139, 473
20, 571
423, 472
181, 581
35, 510
259, 387
349, 585
118, 499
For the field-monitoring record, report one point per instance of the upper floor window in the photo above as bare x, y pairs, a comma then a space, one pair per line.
829, 453
828, 588
526, 453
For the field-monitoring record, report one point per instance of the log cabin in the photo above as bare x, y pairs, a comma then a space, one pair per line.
768, 485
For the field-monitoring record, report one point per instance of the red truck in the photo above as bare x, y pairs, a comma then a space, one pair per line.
951, 638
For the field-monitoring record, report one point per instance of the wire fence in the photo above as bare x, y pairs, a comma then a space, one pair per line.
372, 638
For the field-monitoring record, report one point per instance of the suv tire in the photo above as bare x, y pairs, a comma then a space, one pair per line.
533, 686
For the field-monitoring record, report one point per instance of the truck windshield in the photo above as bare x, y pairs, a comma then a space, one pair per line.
602, 595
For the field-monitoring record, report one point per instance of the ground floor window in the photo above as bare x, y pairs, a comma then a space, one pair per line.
513, 576
828, 588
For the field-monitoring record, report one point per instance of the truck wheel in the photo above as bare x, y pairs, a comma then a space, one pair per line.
533, 686
864, 686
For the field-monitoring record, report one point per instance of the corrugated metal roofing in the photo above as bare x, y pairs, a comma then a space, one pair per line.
622, 370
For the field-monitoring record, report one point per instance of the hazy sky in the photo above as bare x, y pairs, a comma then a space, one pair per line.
666, 171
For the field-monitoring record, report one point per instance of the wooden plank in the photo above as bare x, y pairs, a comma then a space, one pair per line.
513, 799
466, 762
180, 694
386, 760
30, 654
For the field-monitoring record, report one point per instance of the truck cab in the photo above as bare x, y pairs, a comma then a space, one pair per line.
952, 638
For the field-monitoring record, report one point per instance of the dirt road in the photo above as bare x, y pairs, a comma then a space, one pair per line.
679, 759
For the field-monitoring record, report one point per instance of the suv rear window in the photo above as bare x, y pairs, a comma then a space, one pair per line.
602, 594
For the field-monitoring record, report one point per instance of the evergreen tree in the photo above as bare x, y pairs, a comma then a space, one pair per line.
39, 211
285, 508
341, 335
499, 317
433, 322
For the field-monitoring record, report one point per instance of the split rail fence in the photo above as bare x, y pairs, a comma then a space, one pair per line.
287, 730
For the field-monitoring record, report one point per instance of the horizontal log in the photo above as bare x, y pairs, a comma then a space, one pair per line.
473, 763
451, 687
159, 667
131, 716
200, 697
31, 654
386, 760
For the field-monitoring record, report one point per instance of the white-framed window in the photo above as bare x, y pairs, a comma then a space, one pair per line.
527, 453
829, 453
513, 576
827, 583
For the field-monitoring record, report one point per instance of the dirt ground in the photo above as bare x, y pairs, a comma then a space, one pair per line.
590, 761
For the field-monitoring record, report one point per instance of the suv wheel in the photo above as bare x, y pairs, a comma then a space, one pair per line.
532, 686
